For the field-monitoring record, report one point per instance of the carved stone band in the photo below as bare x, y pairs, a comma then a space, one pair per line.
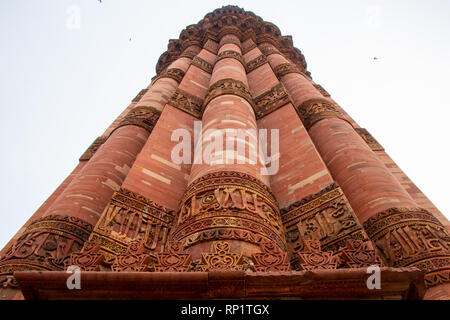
326, 217
202, 64
228, 86
285, 68
371, 142
249, 47
131, 217
93, 148
143, 116
46, 244
270, 101
187, 102
412, 237
314, 110
173, 73
231, 205
256, 63
231, 54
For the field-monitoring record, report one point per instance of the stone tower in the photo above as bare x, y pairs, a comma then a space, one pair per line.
232, 175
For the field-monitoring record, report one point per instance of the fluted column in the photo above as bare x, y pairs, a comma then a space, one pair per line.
403, 233
64, 226
228, 195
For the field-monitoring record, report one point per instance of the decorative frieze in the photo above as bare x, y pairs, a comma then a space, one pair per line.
131, 217
325, 216
228, 86
187, 102
231, 54
256, 63
369, 139
173, 73
46, 244
87, 155
189, 54
412, 237
314, 110
270, 259
142, 116
202, 64
271, 100
228, 205
268, 50
314, 258
89, 259
221, 258
134, 260
284, 69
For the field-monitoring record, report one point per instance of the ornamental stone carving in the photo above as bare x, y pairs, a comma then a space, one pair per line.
231, 54
270, 259
314, 110
131, 217
256, 63
325, 216
142, 116
314, 258
270, 101
228, 205
174, 260
412, 237
221, 258
46, 244
186, 102
228, 86
173, 73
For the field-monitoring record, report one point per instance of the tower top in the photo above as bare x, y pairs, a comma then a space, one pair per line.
235, 20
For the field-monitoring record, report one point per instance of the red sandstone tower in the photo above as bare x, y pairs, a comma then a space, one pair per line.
323, 203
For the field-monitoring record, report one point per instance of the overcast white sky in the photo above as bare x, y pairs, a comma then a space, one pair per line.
61, 87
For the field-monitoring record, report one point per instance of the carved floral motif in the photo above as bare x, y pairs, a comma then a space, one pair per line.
228, 86
89, 259
175, 260
271, 258
134, 260
315, 258
314, 110
228, 200
221, 259
186, 102
142, 116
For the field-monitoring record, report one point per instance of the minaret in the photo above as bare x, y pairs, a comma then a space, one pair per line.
272, 171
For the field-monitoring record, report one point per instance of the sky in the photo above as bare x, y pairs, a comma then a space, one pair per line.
63, 82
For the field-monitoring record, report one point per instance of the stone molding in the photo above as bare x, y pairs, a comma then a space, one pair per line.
256, 63
270, 100
187, 103
285, 68
412, 237
228, 86
131, 217
202, 64
314, 110
173, 73
46, 244
228, 205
